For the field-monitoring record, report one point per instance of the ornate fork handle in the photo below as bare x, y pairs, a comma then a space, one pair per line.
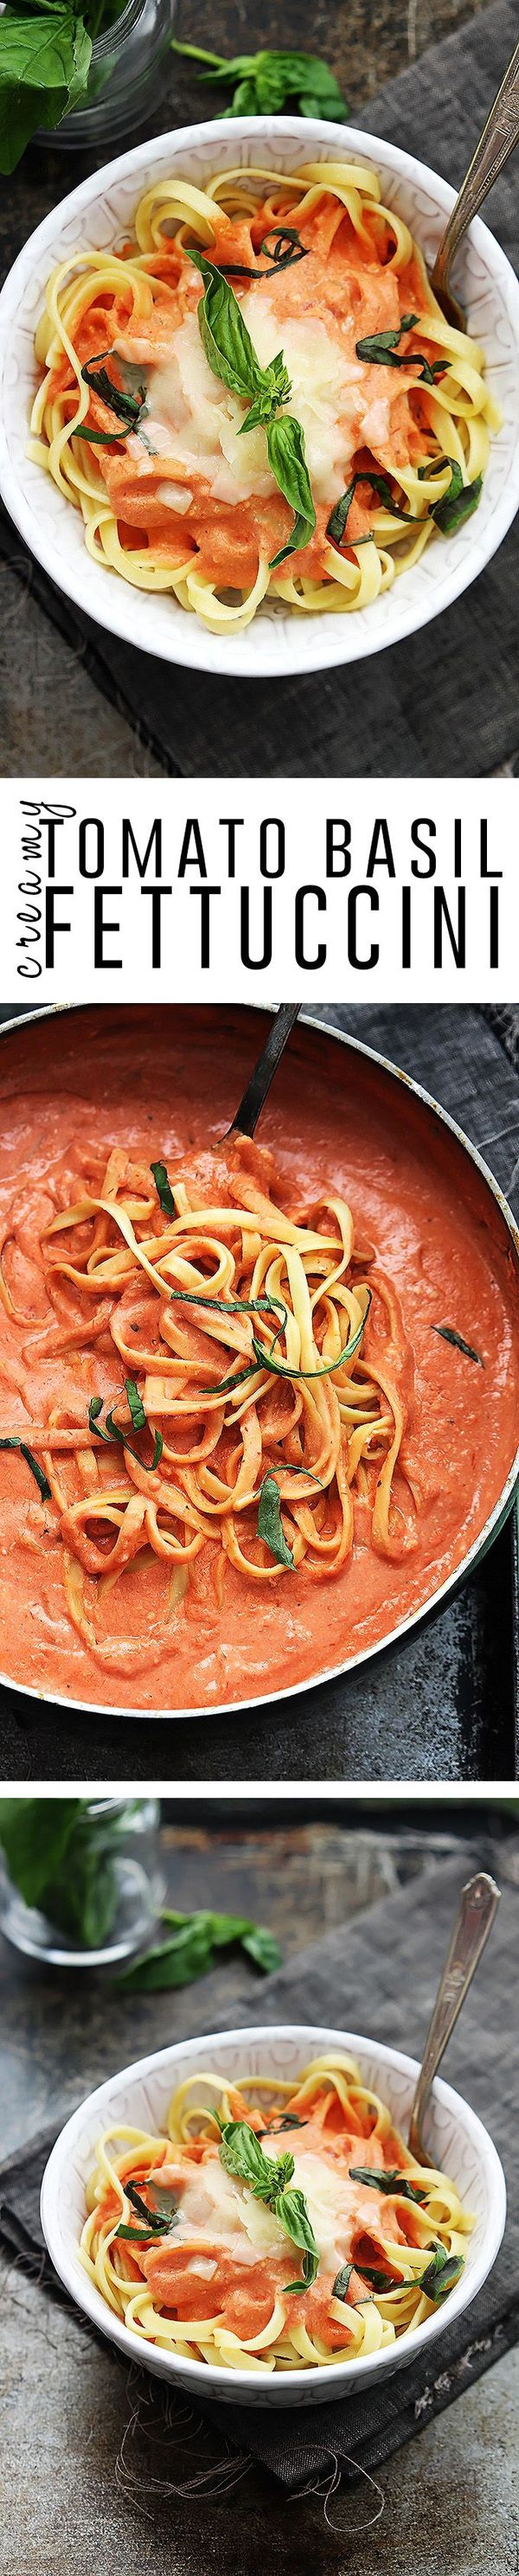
499, 137
477, 1907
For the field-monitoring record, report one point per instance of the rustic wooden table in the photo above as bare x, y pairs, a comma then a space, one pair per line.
448, 2498
48, 693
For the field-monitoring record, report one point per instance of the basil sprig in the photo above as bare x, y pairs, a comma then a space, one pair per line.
393, 2182
114, 1431
265, 81
441, 2274
41, 1480
241, 2154
381, 350
231, 356
270, 1525
229, 349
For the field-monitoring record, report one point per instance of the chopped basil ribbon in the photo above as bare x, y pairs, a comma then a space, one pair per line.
113, 1429
270, 1526
128, 407
382, 2180
440, 2274
382, 2281
231, 356
447, 1333
163, 1188
382, 351
337, 522
458, 501
242, 2156
279, 258
40, 1478
342, 2282
98, 437
159, 2215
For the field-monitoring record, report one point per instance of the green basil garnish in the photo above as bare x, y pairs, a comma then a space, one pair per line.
228, 345
342, 2282
382, 2180
447, 1333
441, 2274
286, 454
381, 350
113, 1430
40, 1478
270, 1525
337, 522
242, 2156
163, 1188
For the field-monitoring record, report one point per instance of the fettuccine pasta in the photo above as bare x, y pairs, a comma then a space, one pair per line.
141, 408
272, 2227
244, 1402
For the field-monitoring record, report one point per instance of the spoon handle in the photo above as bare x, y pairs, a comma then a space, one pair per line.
499, 137
477, 1907
246, 1115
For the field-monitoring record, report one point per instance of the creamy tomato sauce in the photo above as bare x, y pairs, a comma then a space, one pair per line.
162, 1085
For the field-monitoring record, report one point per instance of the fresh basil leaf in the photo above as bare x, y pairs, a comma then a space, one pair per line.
133, 2235
447, 1333
292, 2210
441, 2274
280, 1368
287, 460
383, 2180
225, 338
242, 2155
288, 2120
44, 64
163, 1188
41, 1480
342, 2282
35, 1834
270, 1525
262, 1948
379, 2280
98, 437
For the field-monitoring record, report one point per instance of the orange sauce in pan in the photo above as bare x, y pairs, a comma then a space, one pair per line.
161, 1084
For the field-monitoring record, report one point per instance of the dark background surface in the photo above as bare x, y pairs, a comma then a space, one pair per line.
448, 2497
439, 1706
74, 699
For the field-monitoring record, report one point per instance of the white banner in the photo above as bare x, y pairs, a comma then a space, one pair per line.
138, 891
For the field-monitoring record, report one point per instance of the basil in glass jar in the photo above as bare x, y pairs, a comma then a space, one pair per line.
81, 1881
126, 77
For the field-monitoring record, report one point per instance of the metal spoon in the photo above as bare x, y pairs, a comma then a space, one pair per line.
474, 1919
499, 138
246, 1115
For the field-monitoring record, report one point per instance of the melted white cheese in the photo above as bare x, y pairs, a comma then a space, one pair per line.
215, 2207
198, 424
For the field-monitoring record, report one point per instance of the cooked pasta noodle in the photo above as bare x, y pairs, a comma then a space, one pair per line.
254, 1400
219, 2277
320, 270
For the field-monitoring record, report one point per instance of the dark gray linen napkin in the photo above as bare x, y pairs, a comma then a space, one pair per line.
446, 702
378, 1973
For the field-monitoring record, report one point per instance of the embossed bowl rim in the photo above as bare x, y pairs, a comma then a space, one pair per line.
275, 645
80, 2133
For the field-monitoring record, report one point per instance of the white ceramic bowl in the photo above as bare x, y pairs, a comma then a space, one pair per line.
278, 641
140, 2095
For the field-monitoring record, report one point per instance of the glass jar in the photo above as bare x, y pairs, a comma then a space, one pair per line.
104, 1902
126, 78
